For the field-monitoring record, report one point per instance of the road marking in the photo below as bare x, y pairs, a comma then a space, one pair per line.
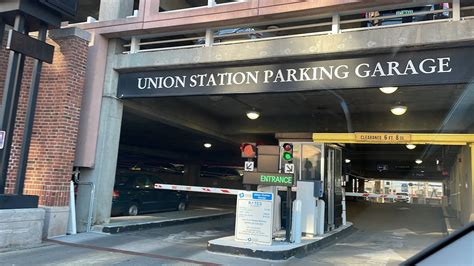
126, 252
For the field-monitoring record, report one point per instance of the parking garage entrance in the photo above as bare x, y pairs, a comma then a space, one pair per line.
185, 126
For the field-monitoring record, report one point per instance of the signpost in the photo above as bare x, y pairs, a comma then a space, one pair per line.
254, 217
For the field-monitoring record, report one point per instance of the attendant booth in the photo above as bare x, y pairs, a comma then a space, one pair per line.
319, 179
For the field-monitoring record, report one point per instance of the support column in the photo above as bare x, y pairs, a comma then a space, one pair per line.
361, 185
101, 178
113, 9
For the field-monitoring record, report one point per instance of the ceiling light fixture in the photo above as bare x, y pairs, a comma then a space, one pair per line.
398, 109
418, 161
388, 90
253, 114
207, 145
411, 146
348, 160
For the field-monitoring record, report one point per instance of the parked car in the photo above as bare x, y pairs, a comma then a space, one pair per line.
380, 20
222, 172
227, 34
134, 193
404, 197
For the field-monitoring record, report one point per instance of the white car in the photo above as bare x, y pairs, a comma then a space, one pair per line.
404, 197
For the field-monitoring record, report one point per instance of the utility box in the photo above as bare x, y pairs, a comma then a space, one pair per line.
318, 189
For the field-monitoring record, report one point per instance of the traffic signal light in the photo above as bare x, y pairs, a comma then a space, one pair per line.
249, 150
287, 151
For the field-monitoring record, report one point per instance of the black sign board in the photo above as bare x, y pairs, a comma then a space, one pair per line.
65, 7
409, 68
270, 179
28, 46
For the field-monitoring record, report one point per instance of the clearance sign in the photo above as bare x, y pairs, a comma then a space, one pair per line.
382, 138
440, 66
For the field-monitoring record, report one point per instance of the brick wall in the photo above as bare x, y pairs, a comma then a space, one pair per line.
56, 123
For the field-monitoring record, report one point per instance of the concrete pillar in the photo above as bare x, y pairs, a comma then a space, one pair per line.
114, 9
102, 176
191, 174
360, 185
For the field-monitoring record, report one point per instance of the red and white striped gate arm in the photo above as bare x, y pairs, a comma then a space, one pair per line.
198, 189
371, 195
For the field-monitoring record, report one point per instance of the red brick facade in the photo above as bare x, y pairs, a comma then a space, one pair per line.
56, 123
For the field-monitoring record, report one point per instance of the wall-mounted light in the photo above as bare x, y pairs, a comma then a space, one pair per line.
411, 146
388, 90
347, 160
207, 145
418, 161
253, 114
398, 109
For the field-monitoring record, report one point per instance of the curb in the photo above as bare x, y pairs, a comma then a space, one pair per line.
115, 229
300, 251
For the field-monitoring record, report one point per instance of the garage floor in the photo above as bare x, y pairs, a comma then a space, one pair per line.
387, 235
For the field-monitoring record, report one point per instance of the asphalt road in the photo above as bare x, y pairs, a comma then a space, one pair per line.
386, 234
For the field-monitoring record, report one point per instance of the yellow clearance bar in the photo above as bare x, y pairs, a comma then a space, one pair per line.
394, 138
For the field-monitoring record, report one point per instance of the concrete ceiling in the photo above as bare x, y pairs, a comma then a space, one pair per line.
183, 124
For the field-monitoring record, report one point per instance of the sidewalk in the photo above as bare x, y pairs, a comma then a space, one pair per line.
153, 220
451, 220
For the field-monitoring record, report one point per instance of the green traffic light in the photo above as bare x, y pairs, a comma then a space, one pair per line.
287, 156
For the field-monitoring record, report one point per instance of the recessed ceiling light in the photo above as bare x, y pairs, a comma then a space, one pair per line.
418, 161
207, 145
388, 90
398, 109
410, 146
253, 114
348, 160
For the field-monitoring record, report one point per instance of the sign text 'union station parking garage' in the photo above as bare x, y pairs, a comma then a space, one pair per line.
441, 66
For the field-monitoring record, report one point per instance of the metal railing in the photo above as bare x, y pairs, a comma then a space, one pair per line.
333, 24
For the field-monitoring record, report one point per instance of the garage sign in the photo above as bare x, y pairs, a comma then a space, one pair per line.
409, 68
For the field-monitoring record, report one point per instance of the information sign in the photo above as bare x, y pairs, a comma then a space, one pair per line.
249, 166
254, 217
269, 179
289, 168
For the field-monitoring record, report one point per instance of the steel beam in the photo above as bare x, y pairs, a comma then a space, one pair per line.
30, 117
434, 139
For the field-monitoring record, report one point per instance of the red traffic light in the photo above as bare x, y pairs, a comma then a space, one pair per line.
248, 150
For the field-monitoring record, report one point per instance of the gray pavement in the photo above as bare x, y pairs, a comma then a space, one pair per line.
387, 234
